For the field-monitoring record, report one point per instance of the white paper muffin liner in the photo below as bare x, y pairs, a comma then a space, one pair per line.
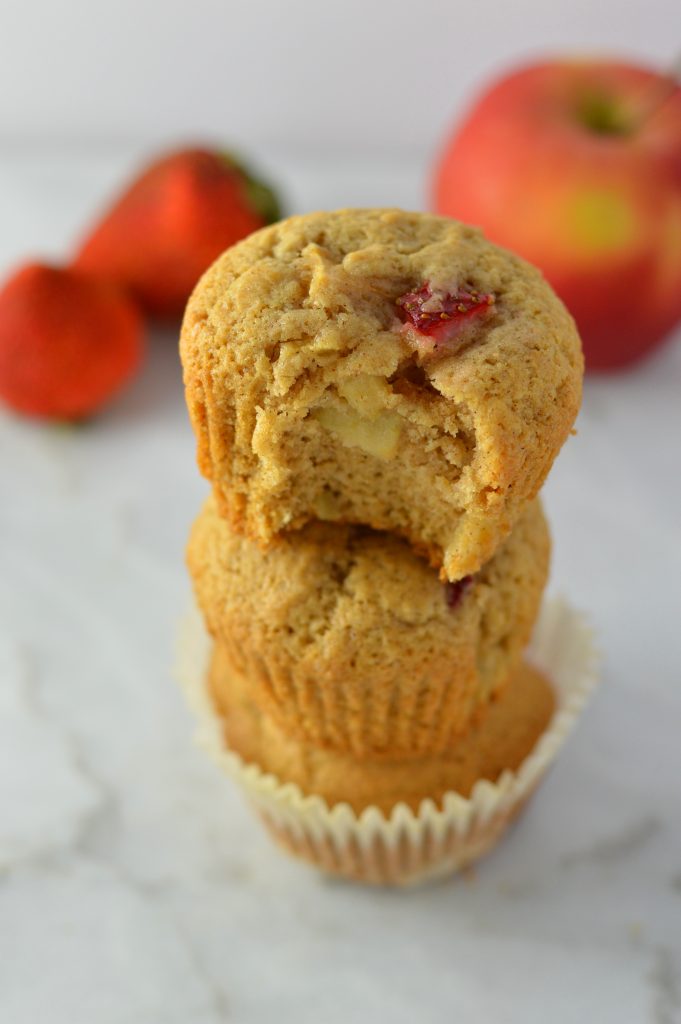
406, 846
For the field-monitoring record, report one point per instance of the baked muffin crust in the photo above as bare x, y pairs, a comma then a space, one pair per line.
352, 642
499, 741
313, 396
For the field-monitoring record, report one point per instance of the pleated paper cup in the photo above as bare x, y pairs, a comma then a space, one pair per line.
405, 846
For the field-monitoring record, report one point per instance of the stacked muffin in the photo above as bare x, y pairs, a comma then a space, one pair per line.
377, 398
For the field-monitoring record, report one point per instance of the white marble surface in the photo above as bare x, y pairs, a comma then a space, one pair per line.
136, 888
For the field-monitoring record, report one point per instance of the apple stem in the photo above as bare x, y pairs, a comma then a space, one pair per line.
656, 96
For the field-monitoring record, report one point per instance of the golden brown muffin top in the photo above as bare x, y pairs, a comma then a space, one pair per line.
348, 601
329, 285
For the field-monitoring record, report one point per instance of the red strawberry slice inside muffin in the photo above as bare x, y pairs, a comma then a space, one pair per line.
438, 322
454, 591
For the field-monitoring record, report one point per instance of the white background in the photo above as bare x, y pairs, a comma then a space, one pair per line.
354, 74
136, 887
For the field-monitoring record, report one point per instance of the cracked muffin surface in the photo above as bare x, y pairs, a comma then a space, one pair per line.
350, 640
379, 367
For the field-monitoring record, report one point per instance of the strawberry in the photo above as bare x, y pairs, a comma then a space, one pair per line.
170, 224
68, 342
435, 320
454, 592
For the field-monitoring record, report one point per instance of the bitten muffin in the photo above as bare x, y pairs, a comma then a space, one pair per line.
500, 741
351, 641
379, 367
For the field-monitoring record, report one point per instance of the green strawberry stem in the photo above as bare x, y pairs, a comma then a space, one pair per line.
261, 197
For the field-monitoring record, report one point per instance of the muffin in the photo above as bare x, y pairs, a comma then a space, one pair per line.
351, 641
379, 367
499, 741
388, 842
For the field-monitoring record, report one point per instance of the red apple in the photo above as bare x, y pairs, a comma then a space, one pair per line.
576, 165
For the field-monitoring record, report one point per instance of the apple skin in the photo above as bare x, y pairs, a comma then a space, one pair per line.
576, 166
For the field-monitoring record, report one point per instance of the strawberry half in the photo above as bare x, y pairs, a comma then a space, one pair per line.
436, 321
